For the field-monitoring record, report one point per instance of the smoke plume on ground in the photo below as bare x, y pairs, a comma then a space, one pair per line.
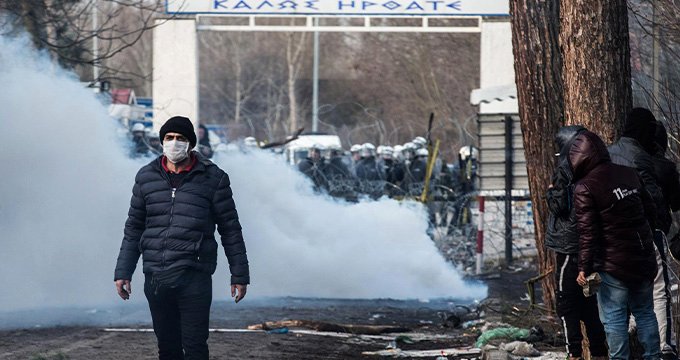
66, 189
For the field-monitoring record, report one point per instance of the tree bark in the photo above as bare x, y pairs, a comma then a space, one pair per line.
596, 72
538, 75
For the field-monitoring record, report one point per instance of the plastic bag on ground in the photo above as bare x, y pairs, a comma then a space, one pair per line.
509, 333
520, 348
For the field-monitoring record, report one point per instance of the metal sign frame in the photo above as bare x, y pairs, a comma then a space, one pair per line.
343, 8
367, 26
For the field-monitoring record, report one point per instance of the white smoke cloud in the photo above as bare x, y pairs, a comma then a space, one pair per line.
310, 245
65, 185
66, 189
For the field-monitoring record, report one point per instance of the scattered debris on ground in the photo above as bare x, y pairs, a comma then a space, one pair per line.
329, 327
473, 352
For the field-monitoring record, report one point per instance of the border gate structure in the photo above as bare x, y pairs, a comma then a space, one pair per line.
175, 44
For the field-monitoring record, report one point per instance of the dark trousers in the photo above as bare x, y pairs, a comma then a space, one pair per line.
180, 316
573, 307
662, 297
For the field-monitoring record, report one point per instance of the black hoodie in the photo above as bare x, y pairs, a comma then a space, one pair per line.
562, 234
629, 150
667, 177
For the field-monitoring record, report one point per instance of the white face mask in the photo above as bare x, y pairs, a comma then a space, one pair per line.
175, 150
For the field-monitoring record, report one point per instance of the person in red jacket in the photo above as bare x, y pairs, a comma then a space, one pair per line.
613, 214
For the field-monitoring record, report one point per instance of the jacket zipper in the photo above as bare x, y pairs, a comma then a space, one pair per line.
640, 239
172, 213
172, 209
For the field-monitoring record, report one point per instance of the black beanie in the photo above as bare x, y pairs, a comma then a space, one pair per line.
640, 124
180, 125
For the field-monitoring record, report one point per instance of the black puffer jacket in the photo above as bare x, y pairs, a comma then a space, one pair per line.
175, 228
629, 151
613, 211
562, 234
667, 176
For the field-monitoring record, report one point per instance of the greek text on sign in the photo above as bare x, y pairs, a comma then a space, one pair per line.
341, 7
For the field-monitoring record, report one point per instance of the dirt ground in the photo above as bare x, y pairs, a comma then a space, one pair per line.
424, 317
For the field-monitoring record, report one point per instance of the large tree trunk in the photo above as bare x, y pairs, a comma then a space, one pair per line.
596, 73
538, 75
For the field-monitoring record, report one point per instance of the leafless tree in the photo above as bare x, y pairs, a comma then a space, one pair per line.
65, 29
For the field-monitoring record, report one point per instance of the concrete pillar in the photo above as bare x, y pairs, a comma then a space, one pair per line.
497, 64
175, 70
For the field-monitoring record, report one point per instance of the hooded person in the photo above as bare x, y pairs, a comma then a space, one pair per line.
666, 173
204, 146
638, 132
562, 237
668, 179
613, 216
670, 175
633, 150
178, 200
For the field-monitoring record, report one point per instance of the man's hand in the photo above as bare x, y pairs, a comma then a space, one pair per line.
242, 289
581, 279
124, 289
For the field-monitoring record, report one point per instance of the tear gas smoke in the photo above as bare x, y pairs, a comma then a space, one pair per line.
311, 245
66, 189
65, 184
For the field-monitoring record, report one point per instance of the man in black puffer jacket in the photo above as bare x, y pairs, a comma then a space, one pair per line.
177, 201
563, 238
631, 150
613, 214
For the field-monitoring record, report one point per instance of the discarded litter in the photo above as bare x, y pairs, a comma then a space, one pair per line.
496, 354
536, 334
473, 323
449, 320
329, 327
520, 348
283, 330
510, 333
493, 325
425, 353
403, 339
552, 356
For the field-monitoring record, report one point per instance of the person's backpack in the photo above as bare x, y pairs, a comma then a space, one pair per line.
561, 230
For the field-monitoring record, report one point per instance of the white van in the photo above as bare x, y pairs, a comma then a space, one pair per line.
298, 149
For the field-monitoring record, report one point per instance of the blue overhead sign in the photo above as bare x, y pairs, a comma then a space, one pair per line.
341, 7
